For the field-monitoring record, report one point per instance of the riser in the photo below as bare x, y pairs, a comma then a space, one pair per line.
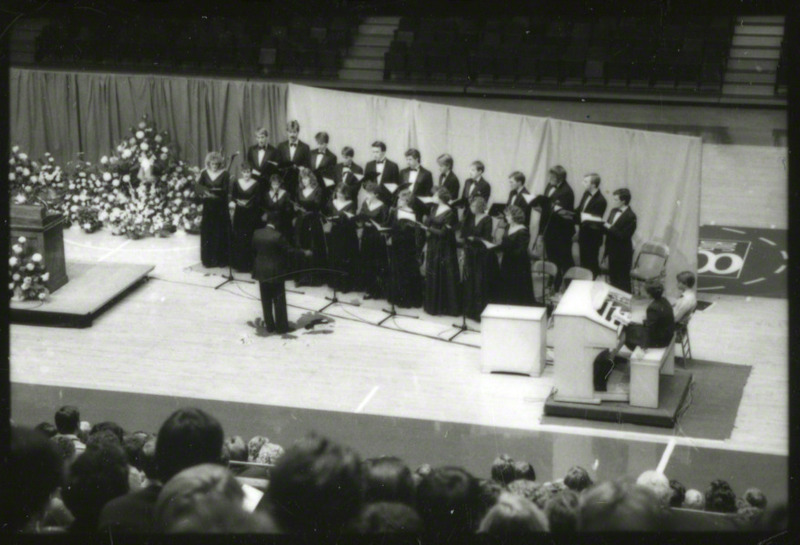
383, 41
382, 20
751, 53
766, 19
21, 56
741, 40
376, 30
367, 51
365, 64
749, 77
753, 64
363, 75
762, 30
745, 89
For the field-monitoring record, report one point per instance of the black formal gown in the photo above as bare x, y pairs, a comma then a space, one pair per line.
442, 282
246, 219
309, 234
481, 270
342, 245
280, 205
516, 283
215, 225
406, 280
373, 259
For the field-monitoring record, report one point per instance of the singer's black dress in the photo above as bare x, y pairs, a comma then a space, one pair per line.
481, 270
373, 262
310, 235
246, 217
406, 285
342, 246
215, 225
516, 283
281, 206
442, 282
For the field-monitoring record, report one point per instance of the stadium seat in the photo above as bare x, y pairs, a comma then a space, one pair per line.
527, 63
573, 62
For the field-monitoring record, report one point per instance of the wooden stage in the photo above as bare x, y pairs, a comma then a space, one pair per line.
177, 336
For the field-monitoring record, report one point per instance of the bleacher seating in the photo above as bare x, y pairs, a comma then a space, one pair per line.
690, 52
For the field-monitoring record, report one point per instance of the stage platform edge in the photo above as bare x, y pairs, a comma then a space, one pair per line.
671, 395
92, 289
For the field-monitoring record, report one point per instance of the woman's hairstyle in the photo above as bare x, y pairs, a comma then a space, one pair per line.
577, 479
307, 174
261, 131
275, 178
444, 195
478, 166
624, 195
615, 506
516, 214
322, 137
686, 278
446, 160
293, 125
214, 158
560, 173
388, 479
411, 152
518, 177
479, 202
371, 186
347, 151
594, 179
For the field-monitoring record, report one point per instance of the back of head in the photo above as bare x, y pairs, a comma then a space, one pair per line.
317, 485
562, 511
113, 427
148, 459
490, 491
96, 477
65, 445
33, 472
524, 470
617, 507
654, 288
46, 428
577, 479
448, 500
511, 515
179, 496
678, 493
658, 483
254, 445
215, 514
756, 498
133, 444
103, 438
388, 518
525, 488
237, 449
270, 453
187, 438
694, 499
67, 419
388, 479
503, 470
720, 498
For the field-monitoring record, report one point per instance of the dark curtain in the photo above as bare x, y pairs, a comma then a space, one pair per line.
67, 112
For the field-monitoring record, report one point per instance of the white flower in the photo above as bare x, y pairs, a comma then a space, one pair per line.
26, 282
36, 258
143, 146
16, 277
17, 248
102, 216
163, 156
11, 176
26, 171
12, 162
139, 134
34, 179
132, 140
82, 174
45, 277
87, 226
42, 296
12, 261
11, 285
142, 124
30, 266
15, 149
158, 138
115, 183
23, 156
73, 208
103, 160
21, 199
114, 160
126, 153
126, 178
107, 176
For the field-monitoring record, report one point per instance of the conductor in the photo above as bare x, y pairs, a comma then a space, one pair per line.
273, 264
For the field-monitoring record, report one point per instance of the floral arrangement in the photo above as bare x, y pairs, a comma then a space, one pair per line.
34, 182
89, 220
26, 273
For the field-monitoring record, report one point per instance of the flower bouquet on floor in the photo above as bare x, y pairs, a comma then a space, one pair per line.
88, 218
26, 273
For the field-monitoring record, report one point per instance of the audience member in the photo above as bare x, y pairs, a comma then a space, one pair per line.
133, 443
524, 470
96, 477
187, 438
269, 453
720, 498
503, 470
448, 500
749, 516
237, 449
562, 511
33, 471
83, 431
490, 491
694, 499
113, 427
102, 438
513, 515
420, 473
316, 487
614, 506
577, 479
254, 446
48, 429
756, 498
68, 423
525, 488
388, 518
213, 514
678, 493
658, 483
388, 479
66, 447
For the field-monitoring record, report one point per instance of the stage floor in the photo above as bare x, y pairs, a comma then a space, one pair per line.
178, 337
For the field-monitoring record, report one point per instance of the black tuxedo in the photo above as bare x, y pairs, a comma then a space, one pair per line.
590, 236
471, 188
264, 167
302, 158
326, 166
619, 248
556, 229
423, 187
391, 175
451, 183
657, 329
515, 198
348, 179
272, 265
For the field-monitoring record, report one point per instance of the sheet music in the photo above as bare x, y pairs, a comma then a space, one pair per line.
328, 182
378, 226
391, 187
590, 217
255, 172
528, 197
406, 215
489, 245
358, 176
426, 200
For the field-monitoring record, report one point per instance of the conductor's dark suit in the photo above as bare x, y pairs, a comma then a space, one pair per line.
346, 175
556, 229
590, 236
390, 175
619, 247
265, 168
301, 157
323, 164
274, 257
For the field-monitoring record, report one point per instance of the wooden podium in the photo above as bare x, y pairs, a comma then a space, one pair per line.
45, 233
513, 339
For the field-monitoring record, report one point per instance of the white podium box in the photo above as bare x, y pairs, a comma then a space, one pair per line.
513, 339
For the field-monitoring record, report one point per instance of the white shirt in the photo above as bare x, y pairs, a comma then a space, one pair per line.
379, 166
261, 153
686, 303
251, 498
474, 185
412, 177
292, 149
320, 156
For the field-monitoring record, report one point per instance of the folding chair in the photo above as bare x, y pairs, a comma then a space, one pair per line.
543, 275
682, 336
573, 273
651, 263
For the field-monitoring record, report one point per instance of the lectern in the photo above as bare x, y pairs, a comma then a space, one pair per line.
45, 233
513, 339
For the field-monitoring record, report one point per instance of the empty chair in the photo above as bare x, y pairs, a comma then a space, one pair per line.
543, 275
650, 264
573, 273
482, 61
548, 64
690, 62
505, 62
438, 58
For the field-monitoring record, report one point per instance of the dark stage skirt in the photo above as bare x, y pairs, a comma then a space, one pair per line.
310, 236
406, 285
481, 278
343, 255
215, 233
373, 264
245, 221
442, 283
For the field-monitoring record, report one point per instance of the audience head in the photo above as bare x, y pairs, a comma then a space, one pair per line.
308, 178
348, 152
148, 459
317, 485
187, 438
269, 454
68, 420
756, 498
413, 157
557, 175
490, 490
658, 483
261, 136
254, 446
293, 129
527, 489
477, 204
342, 192
214, 514
749, 515
622, 196
378, 150
275, 181
524, 470
654, 288
113, 427
678, 493
577, 479
420, 473
66, 447
33, 471
214, 161
178, 496
685, 280
615, 506
83, 431
515, 215
96, 477
694, 499
388, 518
511, 515
322, 139
237, 449
591, 181
517, 180
449, 500
476, 169
503, 469
720, 498
47, 429
443, 195
562, 511
445, 162
388, 479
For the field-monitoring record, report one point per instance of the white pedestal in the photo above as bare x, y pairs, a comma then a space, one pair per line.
513, 339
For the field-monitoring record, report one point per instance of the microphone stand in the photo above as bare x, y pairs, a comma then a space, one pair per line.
463, 326
230, 278
333, 299
392, 311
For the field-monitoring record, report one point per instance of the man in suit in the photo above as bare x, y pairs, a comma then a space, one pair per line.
323, 163
447, 179
418, 178
659, 324
346, 171
619, 230
293, 151
517, 195
475, 185
272, 265
556, 224
261, 158
590, 233
383, 170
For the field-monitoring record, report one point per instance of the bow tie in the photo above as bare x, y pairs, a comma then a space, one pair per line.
414, 170
293, 144
262, 147
379, 162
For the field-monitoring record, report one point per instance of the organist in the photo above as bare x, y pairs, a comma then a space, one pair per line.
659, 324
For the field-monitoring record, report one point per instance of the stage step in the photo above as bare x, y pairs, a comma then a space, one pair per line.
750, 76
761, 19
363, 63
376, 30
365, 58
373, 40
361, 74
755, 53
382, 20
747, 40
757, 65
748, 89
759, 29
371, 52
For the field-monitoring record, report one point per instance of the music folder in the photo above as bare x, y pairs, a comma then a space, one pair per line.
590, 217
529, 197
489, 245
328, 182
391, 187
